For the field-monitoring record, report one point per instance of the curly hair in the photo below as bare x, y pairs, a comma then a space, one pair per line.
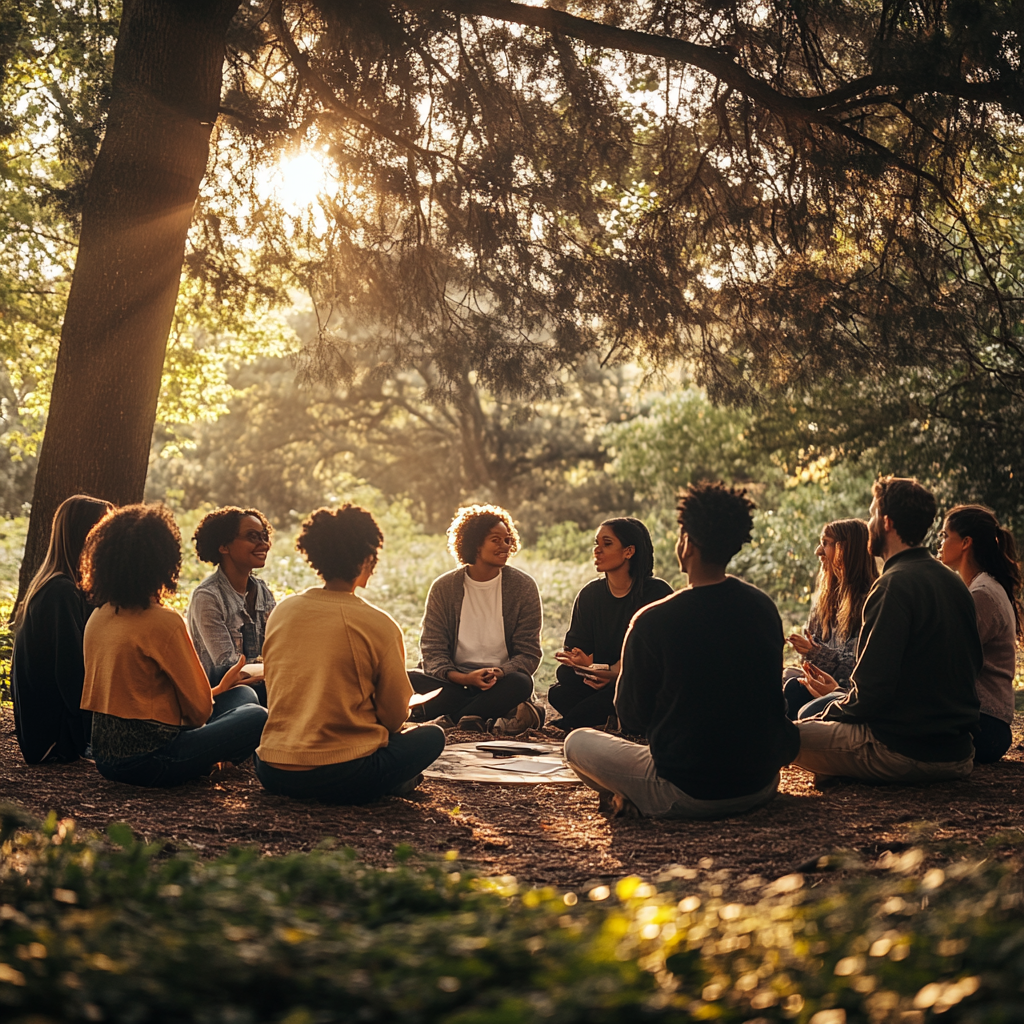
132, 555
717, 519
337, 543
220, 527
470, 527
910, 506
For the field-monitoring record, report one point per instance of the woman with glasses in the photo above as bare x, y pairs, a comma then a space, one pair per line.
480, 638
227, 612
336, 681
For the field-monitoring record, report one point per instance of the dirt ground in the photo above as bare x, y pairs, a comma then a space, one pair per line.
540, 834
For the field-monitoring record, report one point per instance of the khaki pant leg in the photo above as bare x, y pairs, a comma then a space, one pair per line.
606, 762
841, 748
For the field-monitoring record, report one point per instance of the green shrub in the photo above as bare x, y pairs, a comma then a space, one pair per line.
100, 932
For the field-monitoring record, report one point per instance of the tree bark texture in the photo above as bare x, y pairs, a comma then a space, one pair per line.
166, 85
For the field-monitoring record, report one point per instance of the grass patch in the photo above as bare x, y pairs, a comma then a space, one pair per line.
95, 930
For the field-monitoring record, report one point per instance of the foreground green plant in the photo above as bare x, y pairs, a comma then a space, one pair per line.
110, 931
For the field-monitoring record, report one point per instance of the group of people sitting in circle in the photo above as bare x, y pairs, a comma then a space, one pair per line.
906, 675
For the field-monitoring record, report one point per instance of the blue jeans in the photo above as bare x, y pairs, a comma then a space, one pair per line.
232, 734
366, 778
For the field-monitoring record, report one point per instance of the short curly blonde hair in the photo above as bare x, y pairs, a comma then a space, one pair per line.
471, 525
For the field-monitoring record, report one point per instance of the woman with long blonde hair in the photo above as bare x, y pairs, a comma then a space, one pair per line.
47, 670
829, 643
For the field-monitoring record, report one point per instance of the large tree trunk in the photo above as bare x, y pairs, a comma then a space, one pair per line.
138, 206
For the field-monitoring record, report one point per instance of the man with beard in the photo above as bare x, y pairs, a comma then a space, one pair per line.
912, 707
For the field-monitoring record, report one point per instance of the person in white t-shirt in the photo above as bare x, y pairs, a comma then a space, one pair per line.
983, 552
480, 638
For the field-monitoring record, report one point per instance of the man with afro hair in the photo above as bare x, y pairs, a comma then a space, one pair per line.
716, 644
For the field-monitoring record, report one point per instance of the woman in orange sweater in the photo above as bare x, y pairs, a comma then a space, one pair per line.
156, 720
337, 689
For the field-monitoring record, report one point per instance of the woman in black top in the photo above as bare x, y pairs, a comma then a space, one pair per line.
47, 670
623, 552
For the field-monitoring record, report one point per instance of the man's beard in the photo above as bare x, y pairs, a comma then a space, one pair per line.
876, 543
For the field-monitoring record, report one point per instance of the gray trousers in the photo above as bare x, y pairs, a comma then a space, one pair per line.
612, 764
842, 748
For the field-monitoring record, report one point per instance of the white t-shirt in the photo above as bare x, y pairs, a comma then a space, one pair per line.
481, 642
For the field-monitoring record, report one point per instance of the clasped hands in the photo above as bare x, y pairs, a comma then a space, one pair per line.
479, 678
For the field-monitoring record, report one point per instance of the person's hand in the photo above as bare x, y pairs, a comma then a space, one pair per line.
598, 682
231, 678
575, 657
479, 678
252, 673
817, 681
802, 643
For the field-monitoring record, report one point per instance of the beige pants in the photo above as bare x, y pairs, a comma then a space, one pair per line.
609, 763
840, 748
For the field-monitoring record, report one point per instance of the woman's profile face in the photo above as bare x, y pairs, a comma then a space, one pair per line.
951, 552
609, 553
826, 551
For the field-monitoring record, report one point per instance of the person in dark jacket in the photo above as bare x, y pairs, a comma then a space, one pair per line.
681, 654
912, 706
47, 670
624, 554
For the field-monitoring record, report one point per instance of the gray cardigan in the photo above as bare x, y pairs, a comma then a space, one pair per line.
520, 612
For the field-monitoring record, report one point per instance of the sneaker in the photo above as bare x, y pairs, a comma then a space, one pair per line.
528, 716
444, 722
471, 723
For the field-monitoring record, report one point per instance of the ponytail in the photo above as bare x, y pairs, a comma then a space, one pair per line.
994, 549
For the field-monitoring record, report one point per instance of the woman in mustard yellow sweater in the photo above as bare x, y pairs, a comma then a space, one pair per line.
156, 721
337, 689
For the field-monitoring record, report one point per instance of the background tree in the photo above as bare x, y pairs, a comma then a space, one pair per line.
784, 193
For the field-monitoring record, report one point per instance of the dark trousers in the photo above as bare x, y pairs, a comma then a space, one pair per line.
580, 706
232, 734
364, 779
455, 701
993, 740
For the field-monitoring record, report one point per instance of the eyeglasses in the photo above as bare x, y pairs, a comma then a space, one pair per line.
255, 536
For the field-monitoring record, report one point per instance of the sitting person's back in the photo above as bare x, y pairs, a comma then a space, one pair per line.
337, 685
337, 689
912, 707
700, 678
918, 659
700, 681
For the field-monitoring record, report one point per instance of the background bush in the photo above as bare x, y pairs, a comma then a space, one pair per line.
93, 931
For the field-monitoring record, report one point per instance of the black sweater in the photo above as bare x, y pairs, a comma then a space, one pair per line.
700, 678
600, 619
47, 673
918, 656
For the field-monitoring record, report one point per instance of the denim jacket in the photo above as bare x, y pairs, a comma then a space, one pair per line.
219, 624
